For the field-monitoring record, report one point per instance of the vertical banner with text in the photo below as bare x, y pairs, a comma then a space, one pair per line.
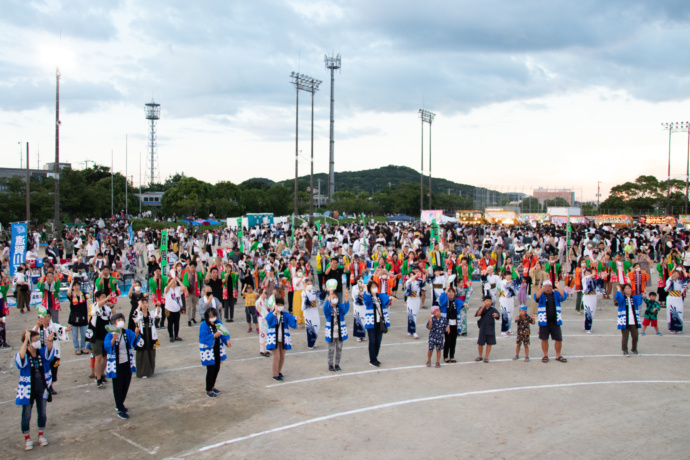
164, 252
18, 246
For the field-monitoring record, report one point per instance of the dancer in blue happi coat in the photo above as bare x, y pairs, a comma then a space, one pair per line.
279, 324
120, 365
35, 379
628, 316
376, 319
336, 328
451, 307
213, 337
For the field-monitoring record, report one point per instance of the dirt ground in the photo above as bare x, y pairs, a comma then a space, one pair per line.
598, 405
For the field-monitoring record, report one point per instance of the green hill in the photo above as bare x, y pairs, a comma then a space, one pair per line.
375, 180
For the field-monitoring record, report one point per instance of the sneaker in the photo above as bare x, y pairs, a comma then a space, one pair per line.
503, 334
516, 357
359, 339
231, 321
51, 390
642, 333
249, 330
216, 391
331, 368
189, 323
6, 345
378, 362
374, 364
210, 394
99, 383
415, 336
172, 339
280, 374
634, 352
193, 320
42, 441
589, 332
144, 377
278, 379
625, 353
123, 415
178, 339
659, 333
28, 443
337, 368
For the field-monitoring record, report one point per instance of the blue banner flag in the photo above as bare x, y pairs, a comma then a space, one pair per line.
131, 235
18, 245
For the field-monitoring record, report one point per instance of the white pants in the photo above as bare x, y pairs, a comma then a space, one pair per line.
413, 306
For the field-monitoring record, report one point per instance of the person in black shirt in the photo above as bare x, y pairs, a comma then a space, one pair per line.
551, 299
487, 328
215, 283
334, 273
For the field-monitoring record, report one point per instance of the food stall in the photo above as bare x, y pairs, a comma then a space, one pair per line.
613, 220
470, 217
562, 220
501, 217
658, 220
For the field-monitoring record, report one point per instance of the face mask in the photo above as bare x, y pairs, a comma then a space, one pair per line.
120, 324
137, 288
280, 307
309, 288
212, 320
637, 269
36, 344
374, 291
583, 265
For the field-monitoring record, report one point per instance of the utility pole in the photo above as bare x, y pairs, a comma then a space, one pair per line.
126, 179
671, 128
56, 166
427, 117
28, 187
332, 63
598, 193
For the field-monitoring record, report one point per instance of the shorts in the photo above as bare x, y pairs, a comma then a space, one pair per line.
554, 330
484, 339
523, 340
250, 314
97, 348
649, 322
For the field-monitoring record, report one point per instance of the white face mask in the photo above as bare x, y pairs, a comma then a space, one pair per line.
374, 291
280, 307
36, 344
120, 324
309, 288
137, 288
211, 320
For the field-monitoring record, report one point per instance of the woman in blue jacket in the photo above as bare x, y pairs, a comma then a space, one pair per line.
628, 316
278, 339
336, 328
376, 319
35, 378
120, 361
213, 337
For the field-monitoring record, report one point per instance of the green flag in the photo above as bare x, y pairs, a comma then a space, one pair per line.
164, 252
240, 234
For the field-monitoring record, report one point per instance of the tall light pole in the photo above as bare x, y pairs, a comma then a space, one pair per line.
21, 161
598, 193
126, 180
56, 166
333, 63
28, 187
676, 127
310, 85
427, 117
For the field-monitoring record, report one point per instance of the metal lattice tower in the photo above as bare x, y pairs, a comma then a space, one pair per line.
332, 63
153, 113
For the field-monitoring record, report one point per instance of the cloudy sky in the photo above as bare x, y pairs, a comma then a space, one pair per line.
536, 92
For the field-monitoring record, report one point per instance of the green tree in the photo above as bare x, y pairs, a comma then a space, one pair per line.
189, 196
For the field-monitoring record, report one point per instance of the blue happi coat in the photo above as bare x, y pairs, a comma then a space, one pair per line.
111, 350
369, 313
443, 304
622, 307
288, 322
328, 313
206, 340
541, 310
24, 388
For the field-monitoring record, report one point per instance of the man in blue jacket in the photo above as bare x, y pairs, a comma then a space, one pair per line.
549, 318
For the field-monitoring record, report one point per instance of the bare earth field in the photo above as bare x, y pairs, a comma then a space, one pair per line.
598, 405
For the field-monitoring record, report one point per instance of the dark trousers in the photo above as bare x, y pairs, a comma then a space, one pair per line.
23, 299
229, 307
291, 296
528, 279
121, 384
322, 280
630, 331
375, 337
449, 343
54, 369
26, 414
174, 324
212, 373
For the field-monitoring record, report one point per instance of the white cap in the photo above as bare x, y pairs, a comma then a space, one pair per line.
547, 282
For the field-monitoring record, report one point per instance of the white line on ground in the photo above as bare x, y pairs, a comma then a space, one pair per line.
370, 371
433, 398
150, 452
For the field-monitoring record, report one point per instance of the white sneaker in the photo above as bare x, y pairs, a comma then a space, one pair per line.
415, 336
503, 334
588, 332
28, 444
42, 441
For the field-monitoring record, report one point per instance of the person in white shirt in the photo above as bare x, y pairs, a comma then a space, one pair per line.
173, 304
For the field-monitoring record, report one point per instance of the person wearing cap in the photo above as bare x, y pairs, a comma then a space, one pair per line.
549, 318
487, 328
413, 290
675, 285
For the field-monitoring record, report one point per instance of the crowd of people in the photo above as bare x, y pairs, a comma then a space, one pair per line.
120, 293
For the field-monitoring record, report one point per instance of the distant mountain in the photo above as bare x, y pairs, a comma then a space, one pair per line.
375, 180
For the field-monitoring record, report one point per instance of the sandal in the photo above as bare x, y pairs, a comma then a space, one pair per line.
486, 360
428, 364
545, 359
77, 352
446, 360
453, 361
561, 359
527, 359
438, 364
478, 359
516, 357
